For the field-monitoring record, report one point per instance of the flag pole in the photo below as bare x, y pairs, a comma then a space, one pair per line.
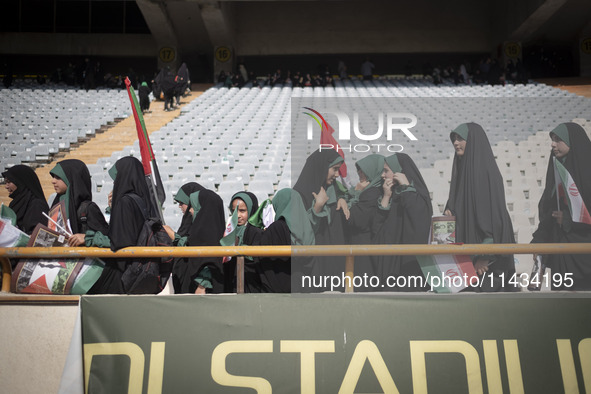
556, 183
156, 200
145, 149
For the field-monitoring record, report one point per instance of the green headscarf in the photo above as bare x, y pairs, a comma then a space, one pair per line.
288, 205
240, 230
393, 163
194, 203
244, 197
372, 166
182, 197
561, 132
113, 172
59, 172
336, 161
462, 130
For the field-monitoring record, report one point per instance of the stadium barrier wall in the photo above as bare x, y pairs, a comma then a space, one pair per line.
350, 251
38, 327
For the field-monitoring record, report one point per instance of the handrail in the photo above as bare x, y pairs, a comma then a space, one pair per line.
350, 251
297, 251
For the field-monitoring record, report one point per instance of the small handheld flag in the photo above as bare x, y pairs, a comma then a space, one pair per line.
229, 238
569, 193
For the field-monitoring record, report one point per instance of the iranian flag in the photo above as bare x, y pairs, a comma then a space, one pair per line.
148, 159
229, 238
569, 193
448, 273
326, 137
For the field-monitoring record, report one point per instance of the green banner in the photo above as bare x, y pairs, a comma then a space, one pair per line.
337, 343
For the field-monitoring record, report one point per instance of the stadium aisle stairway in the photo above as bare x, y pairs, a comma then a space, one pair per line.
114, 139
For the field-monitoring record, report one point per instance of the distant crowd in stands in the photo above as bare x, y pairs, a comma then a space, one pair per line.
87, 74
90, 73
487, 71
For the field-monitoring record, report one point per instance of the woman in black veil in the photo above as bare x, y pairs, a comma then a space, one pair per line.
127, 220
571, 147
477, 200
28, 201
327, 212
404, 217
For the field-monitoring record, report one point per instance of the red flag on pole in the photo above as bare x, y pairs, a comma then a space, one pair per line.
148, 158
326, 138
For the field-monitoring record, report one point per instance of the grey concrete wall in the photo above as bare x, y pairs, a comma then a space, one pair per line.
34, 342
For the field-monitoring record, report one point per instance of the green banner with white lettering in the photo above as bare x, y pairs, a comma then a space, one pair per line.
337, 343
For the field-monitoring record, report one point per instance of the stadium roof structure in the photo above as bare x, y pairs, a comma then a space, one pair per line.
301, 27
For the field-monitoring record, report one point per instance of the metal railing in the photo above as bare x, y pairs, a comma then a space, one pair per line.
349, 251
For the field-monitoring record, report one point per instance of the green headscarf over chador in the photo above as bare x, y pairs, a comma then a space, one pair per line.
251, 201
288, 205
76, 176
182, 197
462, 130
561, 131
372, 166
577, 162
393, 163
314, 173
194, 203
252, 204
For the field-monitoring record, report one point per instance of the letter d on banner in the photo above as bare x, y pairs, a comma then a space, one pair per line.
136, 363
418, 349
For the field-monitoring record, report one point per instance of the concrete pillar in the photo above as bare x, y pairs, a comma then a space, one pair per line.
536, 17
161, 26
216, 18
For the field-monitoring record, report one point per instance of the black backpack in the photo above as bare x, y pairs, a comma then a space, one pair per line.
148, 276
83, 216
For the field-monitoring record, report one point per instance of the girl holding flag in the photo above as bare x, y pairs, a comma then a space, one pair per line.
563, 207
477, 200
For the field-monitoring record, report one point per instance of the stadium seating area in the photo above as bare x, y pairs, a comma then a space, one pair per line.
230, 139
38, 123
